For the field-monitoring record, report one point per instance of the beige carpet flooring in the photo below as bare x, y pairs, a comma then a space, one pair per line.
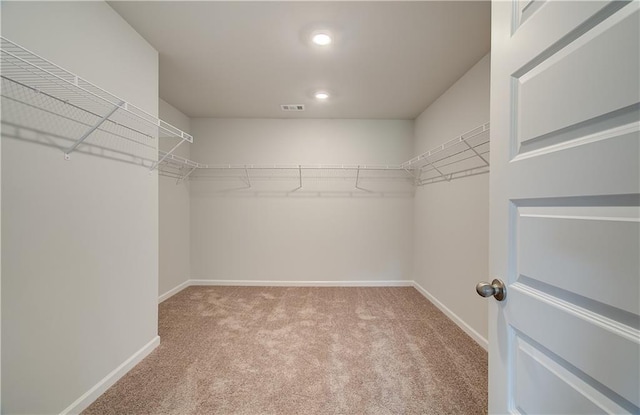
291, 350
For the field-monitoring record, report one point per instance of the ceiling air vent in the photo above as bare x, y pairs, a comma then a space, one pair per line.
292, 107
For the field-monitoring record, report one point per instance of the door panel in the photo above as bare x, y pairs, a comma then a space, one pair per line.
604, 350
524, 10
580, 249
562, 21
602, 166
554, 95
565, 392
565, 207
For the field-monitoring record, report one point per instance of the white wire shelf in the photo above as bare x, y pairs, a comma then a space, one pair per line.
463, 156
42, 96
181, 169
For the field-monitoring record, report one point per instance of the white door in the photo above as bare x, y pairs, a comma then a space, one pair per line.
565, 197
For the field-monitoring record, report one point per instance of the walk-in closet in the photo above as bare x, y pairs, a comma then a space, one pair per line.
230, 207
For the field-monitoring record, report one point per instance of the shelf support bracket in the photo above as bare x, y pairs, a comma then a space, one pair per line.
186, 176
299, 178
246, 173
444, 176
415, 177
476, 153
169, 153
419, 177
90, 130
358, 180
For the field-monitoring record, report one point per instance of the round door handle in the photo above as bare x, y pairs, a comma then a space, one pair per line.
496, 289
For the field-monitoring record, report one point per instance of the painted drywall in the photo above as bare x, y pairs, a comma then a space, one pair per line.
0, 254
80, 237
326, 231
0, 249
175, 266
451, 240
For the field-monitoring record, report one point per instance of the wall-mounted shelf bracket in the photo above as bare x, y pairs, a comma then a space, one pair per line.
358, 182
486, 162
444, 176
154, 165
246, 174
186, 176
410, 173
299, 179
92, 129
180, 168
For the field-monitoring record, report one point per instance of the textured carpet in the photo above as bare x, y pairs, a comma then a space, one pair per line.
291, 350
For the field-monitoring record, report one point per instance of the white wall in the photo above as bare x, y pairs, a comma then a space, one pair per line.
451, 241
326, 231
175, 267
80, 237
0, 255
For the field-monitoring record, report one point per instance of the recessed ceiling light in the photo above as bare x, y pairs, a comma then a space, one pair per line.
321, 39
321, 95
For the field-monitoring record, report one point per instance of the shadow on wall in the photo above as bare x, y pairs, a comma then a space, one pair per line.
117, 152
37, 117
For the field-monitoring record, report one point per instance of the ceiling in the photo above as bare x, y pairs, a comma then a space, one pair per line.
388, 60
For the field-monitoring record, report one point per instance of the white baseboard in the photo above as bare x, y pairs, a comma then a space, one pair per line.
271, 283
92, 394
173, 291
454, 317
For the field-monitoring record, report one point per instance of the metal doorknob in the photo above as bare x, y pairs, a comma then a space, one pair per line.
496, 289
